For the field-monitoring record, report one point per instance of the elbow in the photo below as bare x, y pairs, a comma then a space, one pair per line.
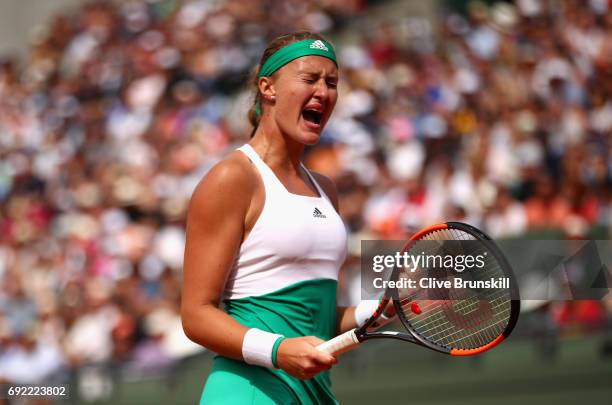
187, 330
194, 321
188, 325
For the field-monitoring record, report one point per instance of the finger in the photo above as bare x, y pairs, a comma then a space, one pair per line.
390, 311
313, 371
306, 374
322, 358
313, 340
316, 368
317, 355
310, 373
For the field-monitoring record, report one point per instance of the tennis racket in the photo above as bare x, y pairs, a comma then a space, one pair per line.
455, 321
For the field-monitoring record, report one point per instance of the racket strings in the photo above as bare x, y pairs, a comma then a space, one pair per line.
441, 328
437, 326
501, 309
461, 319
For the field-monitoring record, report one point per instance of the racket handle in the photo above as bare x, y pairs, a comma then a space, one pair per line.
340, 344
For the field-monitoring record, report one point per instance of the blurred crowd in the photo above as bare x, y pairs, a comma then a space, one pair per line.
500, 117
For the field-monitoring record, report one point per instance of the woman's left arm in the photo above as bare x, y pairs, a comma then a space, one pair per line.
346, 319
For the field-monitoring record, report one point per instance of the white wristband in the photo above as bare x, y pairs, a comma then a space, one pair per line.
364, 310
257, 347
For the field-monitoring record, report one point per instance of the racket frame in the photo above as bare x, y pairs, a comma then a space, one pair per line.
354, 337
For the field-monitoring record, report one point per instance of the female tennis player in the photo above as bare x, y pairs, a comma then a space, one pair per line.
265, 239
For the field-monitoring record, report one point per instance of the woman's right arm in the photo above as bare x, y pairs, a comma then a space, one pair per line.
215, 227
215, 224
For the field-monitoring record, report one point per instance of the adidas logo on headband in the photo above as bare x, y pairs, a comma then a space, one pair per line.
318, 44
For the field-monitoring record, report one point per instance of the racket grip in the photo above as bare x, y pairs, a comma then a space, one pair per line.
340, 344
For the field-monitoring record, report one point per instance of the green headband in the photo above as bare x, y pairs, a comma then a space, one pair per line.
293, 51
296, 50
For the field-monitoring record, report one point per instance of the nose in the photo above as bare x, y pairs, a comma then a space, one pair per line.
321, 89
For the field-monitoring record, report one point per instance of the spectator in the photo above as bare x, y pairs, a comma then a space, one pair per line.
501, 118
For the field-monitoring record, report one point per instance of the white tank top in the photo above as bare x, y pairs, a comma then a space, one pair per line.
296, 238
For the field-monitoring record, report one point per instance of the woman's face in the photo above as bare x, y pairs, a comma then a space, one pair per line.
305, 93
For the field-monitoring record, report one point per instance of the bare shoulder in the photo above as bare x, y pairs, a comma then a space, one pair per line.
227, 185
328, 186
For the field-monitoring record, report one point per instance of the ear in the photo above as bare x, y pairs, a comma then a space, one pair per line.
266, 88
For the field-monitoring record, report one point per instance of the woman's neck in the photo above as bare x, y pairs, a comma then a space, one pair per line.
277, 150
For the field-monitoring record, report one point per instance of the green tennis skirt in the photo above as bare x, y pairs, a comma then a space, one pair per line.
301, 309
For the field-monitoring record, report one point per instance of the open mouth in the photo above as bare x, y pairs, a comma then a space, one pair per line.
312, 116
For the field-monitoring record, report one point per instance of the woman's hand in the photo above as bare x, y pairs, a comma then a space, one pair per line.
389, 315
389, 311
300, 358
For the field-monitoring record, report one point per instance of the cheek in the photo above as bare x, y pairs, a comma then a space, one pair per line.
297, 92
293, 99
333, 98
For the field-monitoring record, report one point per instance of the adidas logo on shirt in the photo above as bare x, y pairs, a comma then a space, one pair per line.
318, 214
318, 44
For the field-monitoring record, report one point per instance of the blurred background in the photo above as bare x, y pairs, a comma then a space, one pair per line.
495, 113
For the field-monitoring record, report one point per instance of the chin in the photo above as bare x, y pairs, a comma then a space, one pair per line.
310, 138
